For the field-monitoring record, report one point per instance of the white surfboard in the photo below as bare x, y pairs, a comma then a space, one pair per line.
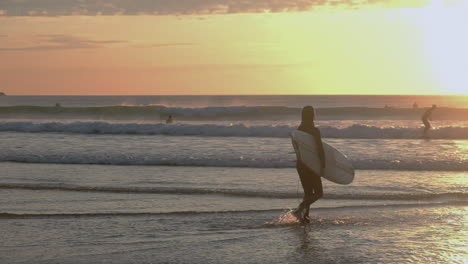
338, 168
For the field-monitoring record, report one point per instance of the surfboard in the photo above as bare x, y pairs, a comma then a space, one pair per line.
338, 168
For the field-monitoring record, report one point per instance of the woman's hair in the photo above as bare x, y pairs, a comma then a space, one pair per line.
308, 114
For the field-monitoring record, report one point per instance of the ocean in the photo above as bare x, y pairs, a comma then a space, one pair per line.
103, 179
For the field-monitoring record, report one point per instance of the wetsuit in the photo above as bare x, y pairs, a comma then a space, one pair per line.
311, 181
425, 121
425, 118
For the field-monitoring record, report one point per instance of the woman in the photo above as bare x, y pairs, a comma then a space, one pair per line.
311, 181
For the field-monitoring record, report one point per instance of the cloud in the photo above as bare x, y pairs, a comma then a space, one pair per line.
168, 7
64, 42
171, 44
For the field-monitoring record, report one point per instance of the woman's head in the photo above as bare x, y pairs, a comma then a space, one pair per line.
308, 114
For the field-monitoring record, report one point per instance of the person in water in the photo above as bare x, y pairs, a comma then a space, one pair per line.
425, 119
310, 180
169, 120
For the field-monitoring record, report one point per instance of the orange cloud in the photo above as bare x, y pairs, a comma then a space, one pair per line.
63, 42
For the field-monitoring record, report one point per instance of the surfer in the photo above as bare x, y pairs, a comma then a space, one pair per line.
425, 119
311, 181
169, 120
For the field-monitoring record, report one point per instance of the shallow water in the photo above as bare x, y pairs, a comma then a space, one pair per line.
146, 214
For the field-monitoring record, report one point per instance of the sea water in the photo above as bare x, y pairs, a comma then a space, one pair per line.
104, 180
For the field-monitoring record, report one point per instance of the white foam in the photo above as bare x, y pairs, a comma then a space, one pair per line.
238, 130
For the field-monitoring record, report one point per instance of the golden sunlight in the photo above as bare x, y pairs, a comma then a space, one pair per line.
442, 23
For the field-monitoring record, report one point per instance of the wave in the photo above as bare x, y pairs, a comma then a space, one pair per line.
6, 215
76, 215
365, 164
158, 112
240, 193
239, 130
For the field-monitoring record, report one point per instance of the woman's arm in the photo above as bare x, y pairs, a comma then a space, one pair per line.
321, 152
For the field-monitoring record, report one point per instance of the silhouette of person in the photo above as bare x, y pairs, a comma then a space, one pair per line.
425, 119
169, 120
310, 180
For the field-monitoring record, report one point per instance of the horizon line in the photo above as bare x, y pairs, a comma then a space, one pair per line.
6, 95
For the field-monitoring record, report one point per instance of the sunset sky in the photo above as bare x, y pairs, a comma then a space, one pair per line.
103, 47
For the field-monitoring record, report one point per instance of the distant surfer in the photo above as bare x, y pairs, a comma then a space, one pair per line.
311, 181
425, 119
169, 120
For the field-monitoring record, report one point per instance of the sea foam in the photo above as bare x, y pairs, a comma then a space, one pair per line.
237, 130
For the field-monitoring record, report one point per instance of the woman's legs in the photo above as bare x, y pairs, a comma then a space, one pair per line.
312, 185
316, 186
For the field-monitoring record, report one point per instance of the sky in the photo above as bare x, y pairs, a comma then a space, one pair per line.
175, 47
